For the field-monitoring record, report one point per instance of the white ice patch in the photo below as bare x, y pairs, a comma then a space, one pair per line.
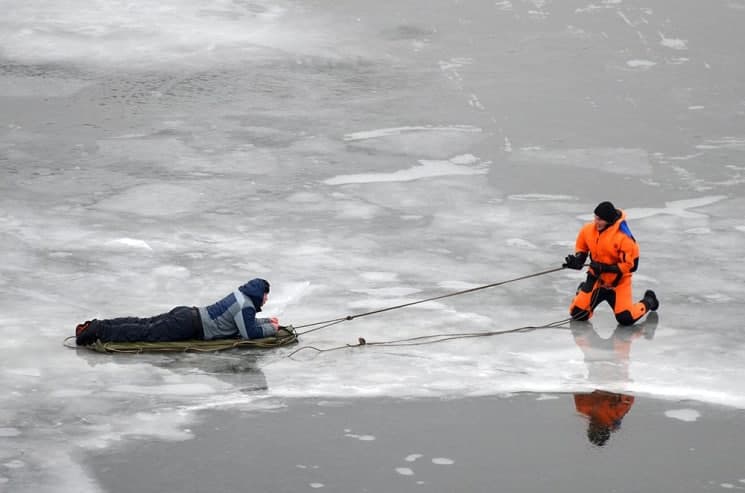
464, 159
233, 401
677, 60
349, 210
443, 461
172, 271
9, 432
388, 291
539, 197
397, 131
24, 372
457, 285
698, 231
413, 457
379, 276
473, 100
152, 200
172, 389
687, 157
404, 471
675, 44
362, 438
718, 298
138, 32
641, 64
507, 147
688, 415
547, 397
520, 243
305, 198
129, 243
421, 141
426, 169
723, 143
677, 208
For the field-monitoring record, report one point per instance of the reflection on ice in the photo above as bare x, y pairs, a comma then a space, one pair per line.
607, 361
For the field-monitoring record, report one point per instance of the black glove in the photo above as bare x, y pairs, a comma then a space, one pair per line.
574, 261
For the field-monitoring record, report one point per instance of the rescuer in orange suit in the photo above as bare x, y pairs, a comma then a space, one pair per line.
614, 257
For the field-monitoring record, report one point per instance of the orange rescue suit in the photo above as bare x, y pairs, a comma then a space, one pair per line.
613, 245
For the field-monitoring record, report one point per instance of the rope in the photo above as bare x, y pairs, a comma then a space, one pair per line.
334, 321
435, 338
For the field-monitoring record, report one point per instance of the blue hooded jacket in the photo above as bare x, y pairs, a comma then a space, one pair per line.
235, 315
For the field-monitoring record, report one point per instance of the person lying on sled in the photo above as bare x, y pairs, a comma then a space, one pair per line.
234, 316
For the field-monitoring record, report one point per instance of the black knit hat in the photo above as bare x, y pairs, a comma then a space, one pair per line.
607, 212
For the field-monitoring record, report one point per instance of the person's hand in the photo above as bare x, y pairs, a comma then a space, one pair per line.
599, 267
573, 262
275, 322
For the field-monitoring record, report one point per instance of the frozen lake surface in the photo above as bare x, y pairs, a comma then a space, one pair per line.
358, 156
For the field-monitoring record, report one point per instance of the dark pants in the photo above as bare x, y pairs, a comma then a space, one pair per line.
179, 324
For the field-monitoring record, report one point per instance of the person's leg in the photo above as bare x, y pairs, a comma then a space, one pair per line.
586, 299
123, 329
627, 312
176, 325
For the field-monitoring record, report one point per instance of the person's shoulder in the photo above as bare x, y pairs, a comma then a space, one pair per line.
587, 227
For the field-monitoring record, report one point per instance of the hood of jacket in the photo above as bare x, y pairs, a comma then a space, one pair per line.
255, 289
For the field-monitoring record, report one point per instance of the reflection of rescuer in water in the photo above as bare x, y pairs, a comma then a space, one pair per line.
607, 360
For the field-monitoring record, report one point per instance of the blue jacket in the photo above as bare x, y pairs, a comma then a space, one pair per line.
235, 315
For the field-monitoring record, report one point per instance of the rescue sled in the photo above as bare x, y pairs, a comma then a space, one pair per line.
195, 345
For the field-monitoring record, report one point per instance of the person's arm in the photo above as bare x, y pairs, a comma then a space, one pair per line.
628, 256
252, 328
577, 260
580, 244
274, 321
